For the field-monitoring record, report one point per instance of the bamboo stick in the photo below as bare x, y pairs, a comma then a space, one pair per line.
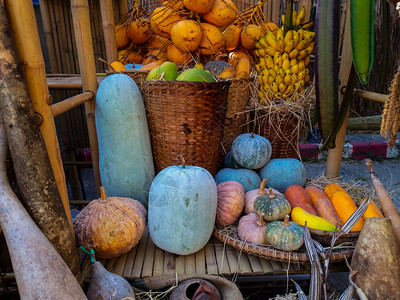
107, 17
371, 95
83, 36
123, 7
48, 33
67, 104
28, 47
334, 158
371, 123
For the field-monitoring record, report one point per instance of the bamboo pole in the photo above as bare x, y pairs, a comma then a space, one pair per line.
67, 104
123, 7
107, 17
83, 36
371, 123
48, 33
381, 98
29, 51
334, 158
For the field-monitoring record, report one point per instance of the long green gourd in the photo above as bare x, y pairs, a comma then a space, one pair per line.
327, 32
125, 156
362, 37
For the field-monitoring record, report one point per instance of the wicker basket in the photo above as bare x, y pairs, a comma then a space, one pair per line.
138, 76
238, 98
186, 118
230, 237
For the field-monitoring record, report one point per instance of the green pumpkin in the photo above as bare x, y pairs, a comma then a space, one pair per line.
274, 207
287, 236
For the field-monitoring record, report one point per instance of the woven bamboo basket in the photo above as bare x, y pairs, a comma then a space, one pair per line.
138, 76
186, 119
229, 236
238, 98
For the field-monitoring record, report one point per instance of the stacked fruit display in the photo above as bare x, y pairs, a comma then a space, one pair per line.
189, 32
283, 60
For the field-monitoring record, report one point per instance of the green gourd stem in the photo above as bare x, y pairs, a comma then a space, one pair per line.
271, 194
286, 221
262, 191
103, 195
260, 221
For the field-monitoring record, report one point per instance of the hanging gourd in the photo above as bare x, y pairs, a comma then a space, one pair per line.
125, 156
182, 208
230, 202
287, 236
110, 226
251, 229
251, 151
274, 207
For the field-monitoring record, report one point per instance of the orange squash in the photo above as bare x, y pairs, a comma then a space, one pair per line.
372, 211
297, 196
332, 188
121, 36
139, 31
186, 35
231, 36
323, 205
345, 207
212, 40
110, 226
250, 34
222, 14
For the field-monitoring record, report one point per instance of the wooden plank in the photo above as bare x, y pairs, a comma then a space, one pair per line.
255, 264
200, 262
169, 263
129, 263
149, 259
244, 264
232, 259
158, 262
180, 265
190, 264
109, 264
266, 265
211, 262
223, 265
277, 267
120, 264
140, 254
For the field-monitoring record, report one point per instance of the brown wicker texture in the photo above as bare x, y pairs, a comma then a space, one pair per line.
283, 135
186, 119
325, 237
238, 98
230, 237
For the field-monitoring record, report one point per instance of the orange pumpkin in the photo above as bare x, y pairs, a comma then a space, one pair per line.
199, 6
162, 19
249, 35
139, 31
231, 36
110, 226
212, 40
222, 14
186, 35
121, 36
177, 56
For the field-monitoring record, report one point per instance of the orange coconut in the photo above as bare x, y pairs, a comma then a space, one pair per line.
234, 57
269, 26
199, 6
117, 66
175, 5
212, 40
231, 36
222, 14
177, 56
154, 55
186, 35
139, 31
162, 19
121, 36
129, 57
250, 34
157, 42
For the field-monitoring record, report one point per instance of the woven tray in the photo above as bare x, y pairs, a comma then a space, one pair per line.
325, 237
230, 237
186, 119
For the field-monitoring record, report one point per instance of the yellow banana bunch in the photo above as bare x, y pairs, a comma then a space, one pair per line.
283, 60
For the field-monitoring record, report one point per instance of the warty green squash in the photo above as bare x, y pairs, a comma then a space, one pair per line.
287, 236
273, 206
